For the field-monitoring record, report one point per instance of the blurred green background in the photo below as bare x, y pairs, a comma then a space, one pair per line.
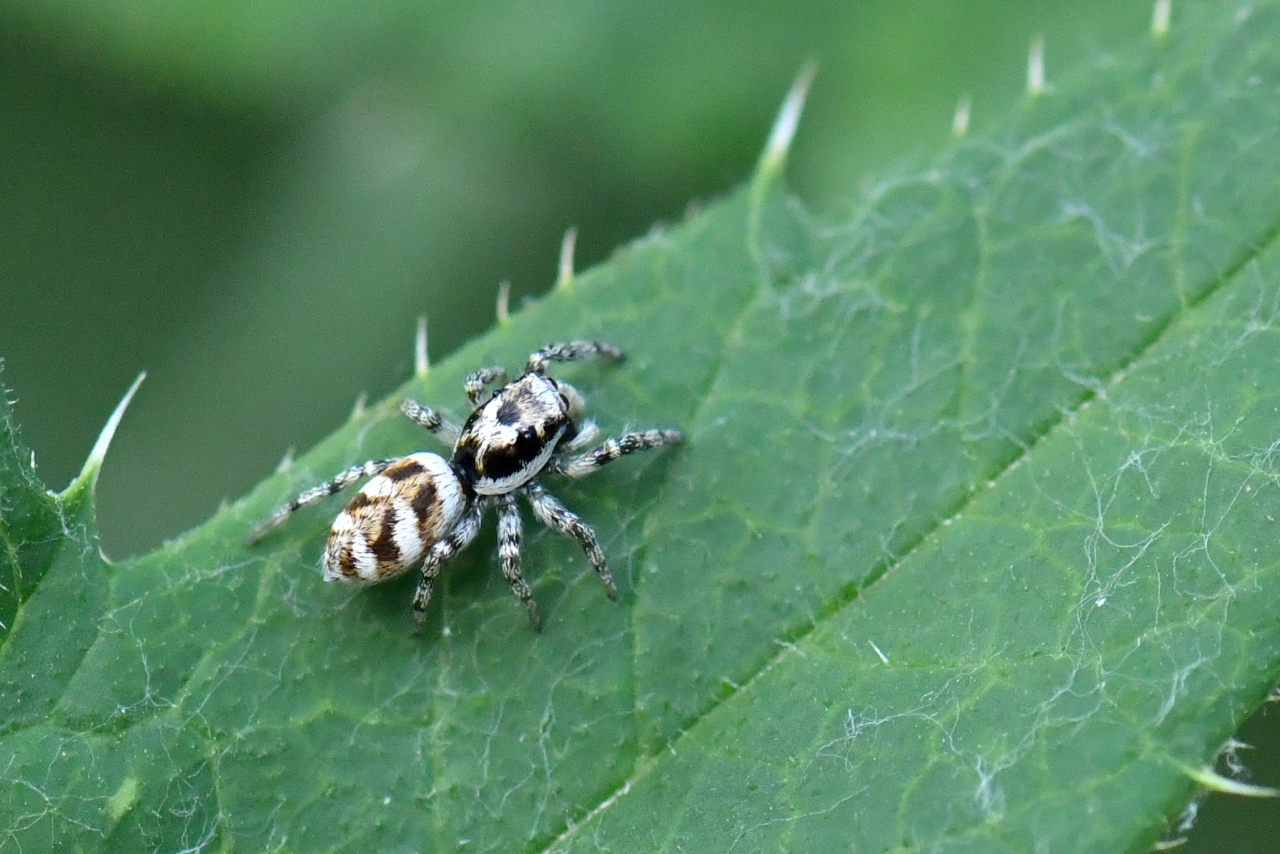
254, 201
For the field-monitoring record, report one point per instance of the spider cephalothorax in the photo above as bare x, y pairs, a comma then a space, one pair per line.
423, 509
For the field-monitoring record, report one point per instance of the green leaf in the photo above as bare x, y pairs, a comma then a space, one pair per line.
970, 546
43, 534
29, 524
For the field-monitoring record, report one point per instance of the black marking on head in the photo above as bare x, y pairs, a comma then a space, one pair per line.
384, 547
403, 470
506, 461
359, 500
509, 413
529, 444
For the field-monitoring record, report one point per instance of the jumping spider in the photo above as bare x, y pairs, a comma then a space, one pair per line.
425, 509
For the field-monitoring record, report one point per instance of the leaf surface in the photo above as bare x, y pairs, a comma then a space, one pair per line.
969, 547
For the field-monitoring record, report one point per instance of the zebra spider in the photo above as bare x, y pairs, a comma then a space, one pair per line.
424, 509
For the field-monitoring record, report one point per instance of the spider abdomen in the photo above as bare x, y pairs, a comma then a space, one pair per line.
393, 520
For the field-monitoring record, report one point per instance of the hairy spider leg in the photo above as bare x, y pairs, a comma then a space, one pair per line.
561, 519
611, 449
458, 539
510, 531
477, 381
333, 486
444, 429
570, 351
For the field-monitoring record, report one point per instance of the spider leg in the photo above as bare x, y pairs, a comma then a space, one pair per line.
445, 430
334, 485
477, 381
570, 351
457, 540
611, 449
587, 434
509, 536
577, 405
561, 519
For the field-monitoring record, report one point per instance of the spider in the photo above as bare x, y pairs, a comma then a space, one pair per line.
423, 508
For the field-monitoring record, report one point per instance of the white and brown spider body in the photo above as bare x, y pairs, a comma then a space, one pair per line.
422, 509
509, 440
393, 520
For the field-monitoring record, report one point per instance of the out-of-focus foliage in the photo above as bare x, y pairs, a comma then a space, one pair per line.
257, 200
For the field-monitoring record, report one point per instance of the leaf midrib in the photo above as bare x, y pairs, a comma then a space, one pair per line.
647, 763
